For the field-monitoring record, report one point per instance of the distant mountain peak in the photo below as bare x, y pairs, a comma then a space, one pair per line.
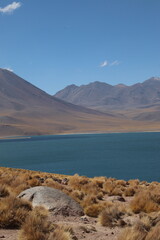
98, 83
72, 86
153, 79
6, 70
121, 85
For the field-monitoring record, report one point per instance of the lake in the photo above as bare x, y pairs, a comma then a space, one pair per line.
120, 155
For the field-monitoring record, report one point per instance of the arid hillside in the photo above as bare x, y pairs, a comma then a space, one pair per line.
113, 209
27, 110
103, 95
140, 101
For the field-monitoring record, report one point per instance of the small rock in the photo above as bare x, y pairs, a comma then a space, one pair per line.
121, 199
121, 223
84, 218
42, 180
74, 238
65, 181
57, 179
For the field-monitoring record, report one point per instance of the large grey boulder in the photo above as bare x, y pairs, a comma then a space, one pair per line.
54, 200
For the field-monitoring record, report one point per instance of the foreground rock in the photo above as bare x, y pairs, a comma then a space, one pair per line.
54, 200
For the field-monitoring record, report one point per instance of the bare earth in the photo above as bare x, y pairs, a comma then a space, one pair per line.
88, 230
83, 227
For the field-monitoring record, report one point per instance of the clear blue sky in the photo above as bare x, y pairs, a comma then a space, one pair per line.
54, 43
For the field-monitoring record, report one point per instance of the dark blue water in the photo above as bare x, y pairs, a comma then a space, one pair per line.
119, 155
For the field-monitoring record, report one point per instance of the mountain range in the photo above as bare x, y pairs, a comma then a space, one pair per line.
140, 101
104, 96
27, 110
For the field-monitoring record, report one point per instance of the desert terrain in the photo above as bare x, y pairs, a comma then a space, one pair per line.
27, 110
112, 209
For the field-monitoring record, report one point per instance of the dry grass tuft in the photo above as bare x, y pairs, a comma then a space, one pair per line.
111, 217
109, 186
60, 234
129, 192
13, 212
95, 209
4, 192
49, 182
77, 182
121, 183
137, 232
77, 195
134, 182
154, 234
146, 201
36, 226
99, 181
147, 228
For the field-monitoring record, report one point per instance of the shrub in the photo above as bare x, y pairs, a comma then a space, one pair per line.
77, 195
109, 216
117, 191
91, 188
49, 182
145, 201
89, 200
134, 182
154, 233
60, 234
33, 182
129, 192
99, 181
121, 182
76, 182
13, 212
137, 232
36, 226
109, 186
95, 209
3, 191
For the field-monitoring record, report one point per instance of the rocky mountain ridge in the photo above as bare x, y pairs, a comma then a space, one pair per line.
100, 95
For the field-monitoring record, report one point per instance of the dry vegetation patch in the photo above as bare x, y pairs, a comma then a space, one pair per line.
38, 227
13, 212
111, 216
147, 200
108, 200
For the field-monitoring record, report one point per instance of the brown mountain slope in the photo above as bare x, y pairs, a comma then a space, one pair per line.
140, 101
27, 110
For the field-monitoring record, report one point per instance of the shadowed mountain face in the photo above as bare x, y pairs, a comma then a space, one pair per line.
27, 110
103, 96
18, 94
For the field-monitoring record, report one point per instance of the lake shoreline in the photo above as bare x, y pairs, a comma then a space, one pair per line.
65, 134
118, 155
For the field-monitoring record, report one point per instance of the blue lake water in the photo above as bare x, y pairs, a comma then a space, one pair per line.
120, 155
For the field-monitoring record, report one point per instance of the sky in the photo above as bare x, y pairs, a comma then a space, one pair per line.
55, 43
